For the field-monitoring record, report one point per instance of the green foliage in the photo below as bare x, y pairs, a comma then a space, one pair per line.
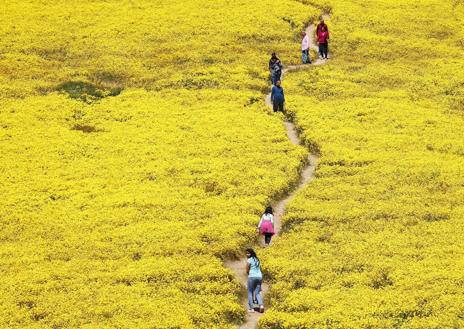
86, 91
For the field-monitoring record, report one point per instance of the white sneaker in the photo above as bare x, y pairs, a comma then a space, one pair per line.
251, 311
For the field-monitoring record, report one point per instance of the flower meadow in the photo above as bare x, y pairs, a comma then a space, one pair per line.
137, 155
376, 240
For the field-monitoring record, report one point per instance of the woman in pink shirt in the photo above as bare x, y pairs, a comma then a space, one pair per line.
323, 41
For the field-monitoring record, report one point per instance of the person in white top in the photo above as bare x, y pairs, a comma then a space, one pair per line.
266, 225
305, 44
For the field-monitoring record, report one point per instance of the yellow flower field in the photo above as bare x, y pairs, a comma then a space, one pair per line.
376, 240
137, 155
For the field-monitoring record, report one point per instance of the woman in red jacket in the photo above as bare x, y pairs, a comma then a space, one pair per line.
323, 41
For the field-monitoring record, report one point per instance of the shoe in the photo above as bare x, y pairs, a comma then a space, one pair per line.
261, 309
251, 311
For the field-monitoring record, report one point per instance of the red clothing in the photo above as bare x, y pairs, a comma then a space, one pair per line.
320, 26
323, 37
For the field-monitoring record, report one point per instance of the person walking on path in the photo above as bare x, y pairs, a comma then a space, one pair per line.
323, 41
305, 44
277, 97
266, 225
321, 25
275, 68
254, 282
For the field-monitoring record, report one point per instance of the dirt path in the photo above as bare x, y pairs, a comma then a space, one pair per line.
306, 175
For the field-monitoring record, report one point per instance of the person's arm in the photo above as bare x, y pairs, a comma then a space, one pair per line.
272, 216
248, 268
283, 96
261, 220
272, 100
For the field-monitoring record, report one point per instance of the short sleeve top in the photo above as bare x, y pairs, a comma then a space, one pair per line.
255, 268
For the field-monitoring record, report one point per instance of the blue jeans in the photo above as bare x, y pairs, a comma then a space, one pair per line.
254, 287
305, 57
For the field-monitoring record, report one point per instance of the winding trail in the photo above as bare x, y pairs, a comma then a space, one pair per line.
306, 175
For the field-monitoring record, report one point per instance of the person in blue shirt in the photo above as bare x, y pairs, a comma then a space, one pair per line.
277, 97
255, 280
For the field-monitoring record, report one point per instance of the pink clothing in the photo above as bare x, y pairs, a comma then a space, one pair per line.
320, 26
322, 37
266, 224
305, 43
267, 227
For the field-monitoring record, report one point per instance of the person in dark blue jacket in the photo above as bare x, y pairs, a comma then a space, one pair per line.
277, 97
275, 68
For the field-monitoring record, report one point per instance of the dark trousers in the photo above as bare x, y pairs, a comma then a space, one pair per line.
267, 238
324, 49
276, 77
278, 105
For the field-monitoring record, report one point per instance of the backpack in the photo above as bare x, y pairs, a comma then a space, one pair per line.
275, 67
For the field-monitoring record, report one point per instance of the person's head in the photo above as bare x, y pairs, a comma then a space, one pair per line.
250, 253
274, 55
303, 34
321, 19
278, 83
269, 210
